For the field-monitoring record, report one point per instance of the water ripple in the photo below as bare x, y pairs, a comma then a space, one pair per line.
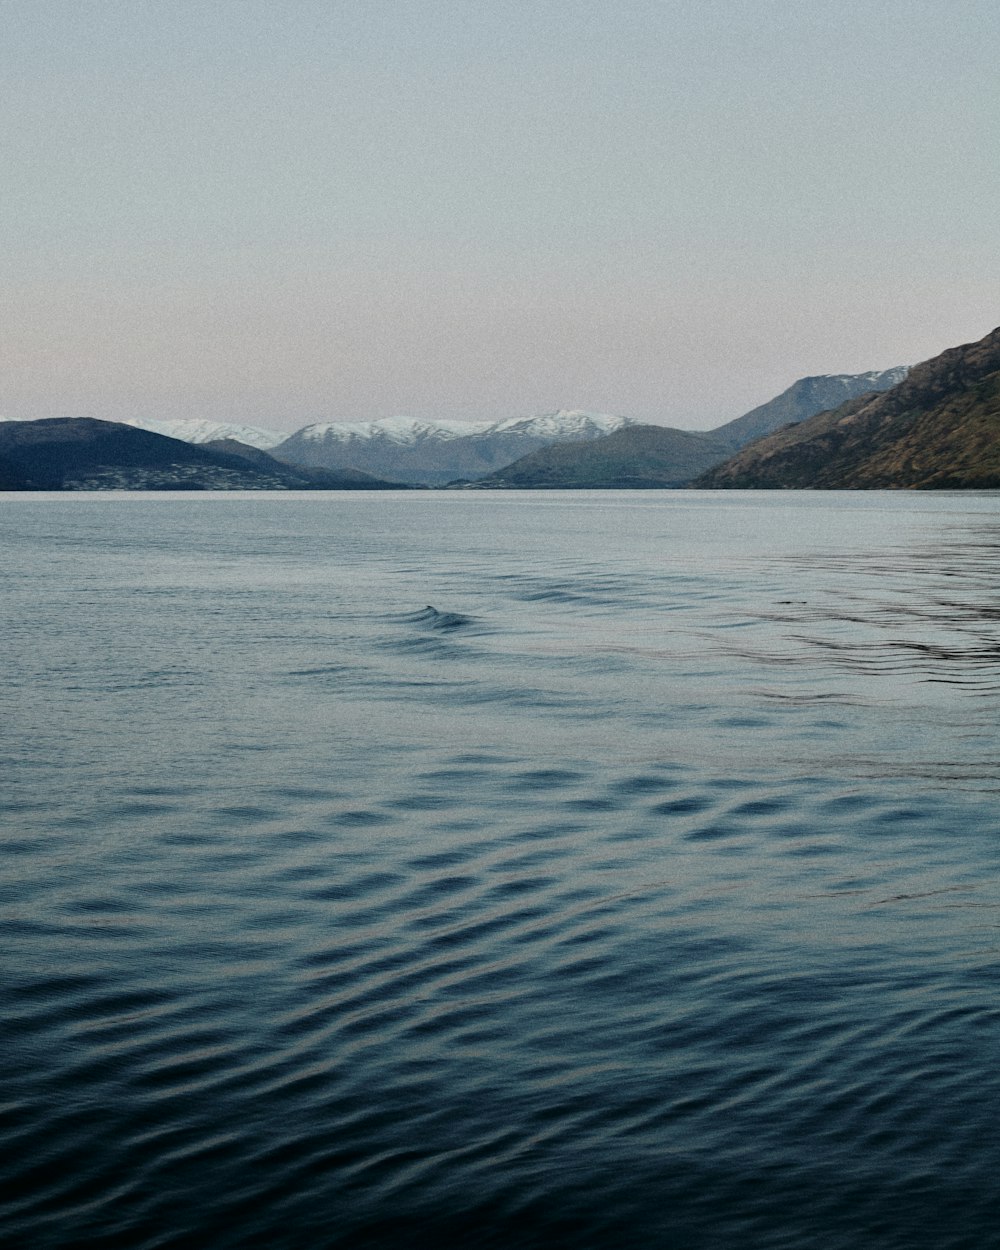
642, 892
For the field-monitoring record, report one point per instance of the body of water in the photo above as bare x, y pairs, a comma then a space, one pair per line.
500, 870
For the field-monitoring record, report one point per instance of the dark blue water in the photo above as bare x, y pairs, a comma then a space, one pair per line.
500, 871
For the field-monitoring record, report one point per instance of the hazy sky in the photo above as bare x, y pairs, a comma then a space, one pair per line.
282, 211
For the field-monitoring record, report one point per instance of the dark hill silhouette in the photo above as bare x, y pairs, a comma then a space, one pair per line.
81, 453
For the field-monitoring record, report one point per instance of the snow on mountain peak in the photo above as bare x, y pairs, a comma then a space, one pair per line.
881, 379
407, 431
195, 430
404, 431
567, 423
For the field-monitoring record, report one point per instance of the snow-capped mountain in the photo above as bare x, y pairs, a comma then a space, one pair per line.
196, 430
406, 449
566, 425
401, 431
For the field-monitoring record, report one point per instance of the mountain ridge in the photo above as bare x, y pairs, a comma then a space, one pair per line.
803, 399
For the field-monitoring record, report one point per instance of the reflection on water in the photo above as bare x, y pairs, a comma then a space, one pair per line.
642, 890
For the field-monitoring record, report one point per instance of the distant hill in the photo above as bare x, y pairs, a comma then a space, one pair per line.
642, 456
299, 476
84, 454
937, 429
802, 400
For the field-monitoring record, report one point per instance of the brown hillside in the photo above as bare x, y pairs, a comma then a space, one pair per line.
938, 429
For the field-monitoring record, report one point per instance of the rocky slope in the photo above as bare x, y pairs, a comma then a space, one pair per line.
937, 429
644, 456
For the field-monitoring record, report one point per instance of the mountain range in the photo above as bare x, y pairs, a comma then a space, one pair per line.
434, 453
936, 425
404, 449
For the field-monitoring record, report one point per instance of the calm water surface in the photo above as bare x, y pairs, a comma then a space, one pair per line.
502, 870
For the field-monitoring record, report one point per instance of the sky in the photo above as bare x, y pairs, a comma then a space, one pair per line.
320, 210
